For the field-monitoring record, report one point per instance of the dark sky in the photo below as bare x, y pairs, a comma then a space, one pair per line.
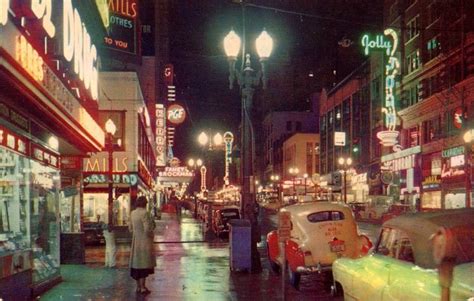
305, 34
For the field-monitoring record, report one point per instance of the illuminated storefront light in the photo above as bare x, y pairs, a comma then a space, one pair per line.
29, 58
4, 6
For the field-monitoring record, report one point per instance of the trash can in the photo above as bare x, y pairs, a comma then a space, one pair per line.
240, 240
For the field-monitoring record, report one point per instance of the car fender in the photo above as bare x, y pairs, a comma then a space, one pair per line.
272, 244
294, 255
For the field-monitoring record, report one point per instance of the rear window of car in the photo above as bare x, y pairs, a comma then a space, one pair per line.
229, 213
324, 216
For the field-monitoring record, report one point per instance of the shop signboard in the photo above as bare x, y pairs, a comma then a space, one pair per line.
431, 183
160, 135
98, 163
122, 30
453, 161
339, 138
126, 178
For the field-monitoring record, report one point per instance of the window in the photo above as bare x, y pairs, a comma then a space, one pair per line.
414, 136
298, 126
433, 48
323, 123
413, 61
413, 28
325, 216
288, 125
432, 129
413, 95
396, 244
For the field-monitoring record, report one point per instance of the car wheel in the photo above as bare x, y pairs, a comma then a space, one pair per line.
273, 265
294, 277
337, 290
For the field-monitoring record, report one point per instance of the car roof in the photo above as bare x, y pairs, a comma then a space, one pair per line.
420, 228
303, 209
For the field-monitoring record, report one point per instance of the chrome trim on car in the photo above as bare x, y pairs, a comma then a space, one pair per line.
313, 269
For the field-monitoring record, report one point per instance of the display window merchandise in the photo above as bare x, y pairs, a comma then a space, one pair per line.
29, 220
96, 208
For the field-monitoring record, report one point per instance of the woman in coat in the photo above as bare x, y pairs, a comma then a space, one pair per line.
142, 260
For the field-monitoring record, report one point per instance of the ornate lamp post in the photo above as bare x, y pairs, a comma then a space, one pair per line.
209, 145
276, 178
194, 164
345, 164
110, 129
305, 176
248, 79
294, 172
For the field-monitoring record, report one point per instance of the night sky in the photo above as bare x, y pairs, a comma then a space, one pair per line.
306, 36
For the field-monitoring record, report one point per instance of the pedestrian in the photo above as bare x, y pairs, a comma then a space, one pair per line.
142, 260
110, 246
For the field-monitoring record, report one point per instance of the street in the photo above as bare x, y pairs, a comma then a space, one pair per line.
190, 266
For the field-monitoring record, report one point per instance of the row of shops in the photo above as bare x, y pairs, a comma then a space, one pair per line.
428, 181
53, 168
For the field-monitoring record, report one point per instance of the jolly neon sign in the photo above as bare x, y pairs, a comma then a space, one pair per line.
392, 69
77, 46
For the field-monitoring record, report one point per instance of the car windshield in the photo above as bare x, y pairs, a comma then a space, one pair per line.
324, 216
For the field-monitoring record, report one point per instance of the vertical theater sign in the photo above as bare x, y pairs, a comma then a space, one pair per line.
389, 43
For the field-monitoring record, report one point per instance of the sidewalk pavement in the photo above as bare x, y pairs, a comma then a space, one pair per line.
188, 268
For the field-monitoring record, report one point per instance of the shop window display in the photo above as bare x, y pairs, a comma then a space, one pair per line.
29, 212
96, 208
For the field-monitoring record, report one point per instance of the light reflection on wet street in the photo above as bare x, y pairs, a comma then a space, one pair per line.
191, 265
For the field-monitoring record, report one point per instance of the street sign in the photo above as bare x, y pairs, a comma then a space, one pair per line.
284, 226
339, 138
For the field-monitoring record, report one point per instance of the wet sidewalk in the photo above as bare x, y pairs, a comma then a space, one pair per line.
188, 268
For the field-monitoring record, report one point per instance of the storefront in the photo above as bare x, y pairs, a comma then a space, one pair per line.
454, 178
128, 184
431, 182
41, 118
402, 175
360, 187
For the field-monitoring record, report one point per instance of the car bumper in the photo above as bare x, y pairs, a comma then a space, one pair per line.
313, 269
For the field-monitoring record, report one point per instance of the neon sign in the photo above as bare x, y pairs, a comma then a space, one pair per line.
4, 6
77, 45
43, 10
29, 58
392, 68
176, 114
228, 139
378, 43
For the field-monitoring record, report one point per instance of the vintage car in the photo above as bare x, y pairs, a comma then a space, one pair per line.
396, 210
221, 218
417, 257
320, 233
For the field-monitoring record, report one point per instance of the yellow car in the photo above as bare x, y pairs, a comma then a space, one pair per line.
418, 256
321, 232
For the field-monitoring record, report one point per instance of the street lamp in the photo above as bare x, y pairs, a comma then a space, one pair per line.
248, 80
110, 129
210, 144
276, 178
345, 163
294, 172
194, 164
305, 176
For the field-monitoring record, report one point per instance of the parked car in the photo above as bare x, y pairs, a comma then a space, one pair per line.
377, 205
320, 233
93, 233
221, 219
405, 264
396, 210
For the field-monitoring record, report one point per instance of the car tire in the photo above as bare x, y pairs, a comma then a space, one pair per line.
293, 277
273, 265
337, 290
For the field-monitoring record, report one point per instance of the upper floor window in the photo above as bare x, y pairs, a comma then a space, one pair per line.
413, 61
433, 48
298, 126
413, 28
288, 125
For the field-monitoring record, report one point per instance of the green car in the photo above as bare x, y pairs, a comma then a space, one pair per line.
418, 256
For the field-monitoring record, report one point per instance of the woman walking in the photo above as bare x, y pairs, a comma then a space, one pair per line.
142, 260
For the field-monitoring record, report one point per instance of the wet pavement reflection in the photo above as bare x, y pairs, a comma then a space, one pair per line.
191, 265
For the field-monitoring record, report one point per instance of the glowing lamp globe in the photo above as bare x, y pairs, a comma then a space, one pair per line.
232, 44
203, 139
218, 139
264, 45
110, 127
